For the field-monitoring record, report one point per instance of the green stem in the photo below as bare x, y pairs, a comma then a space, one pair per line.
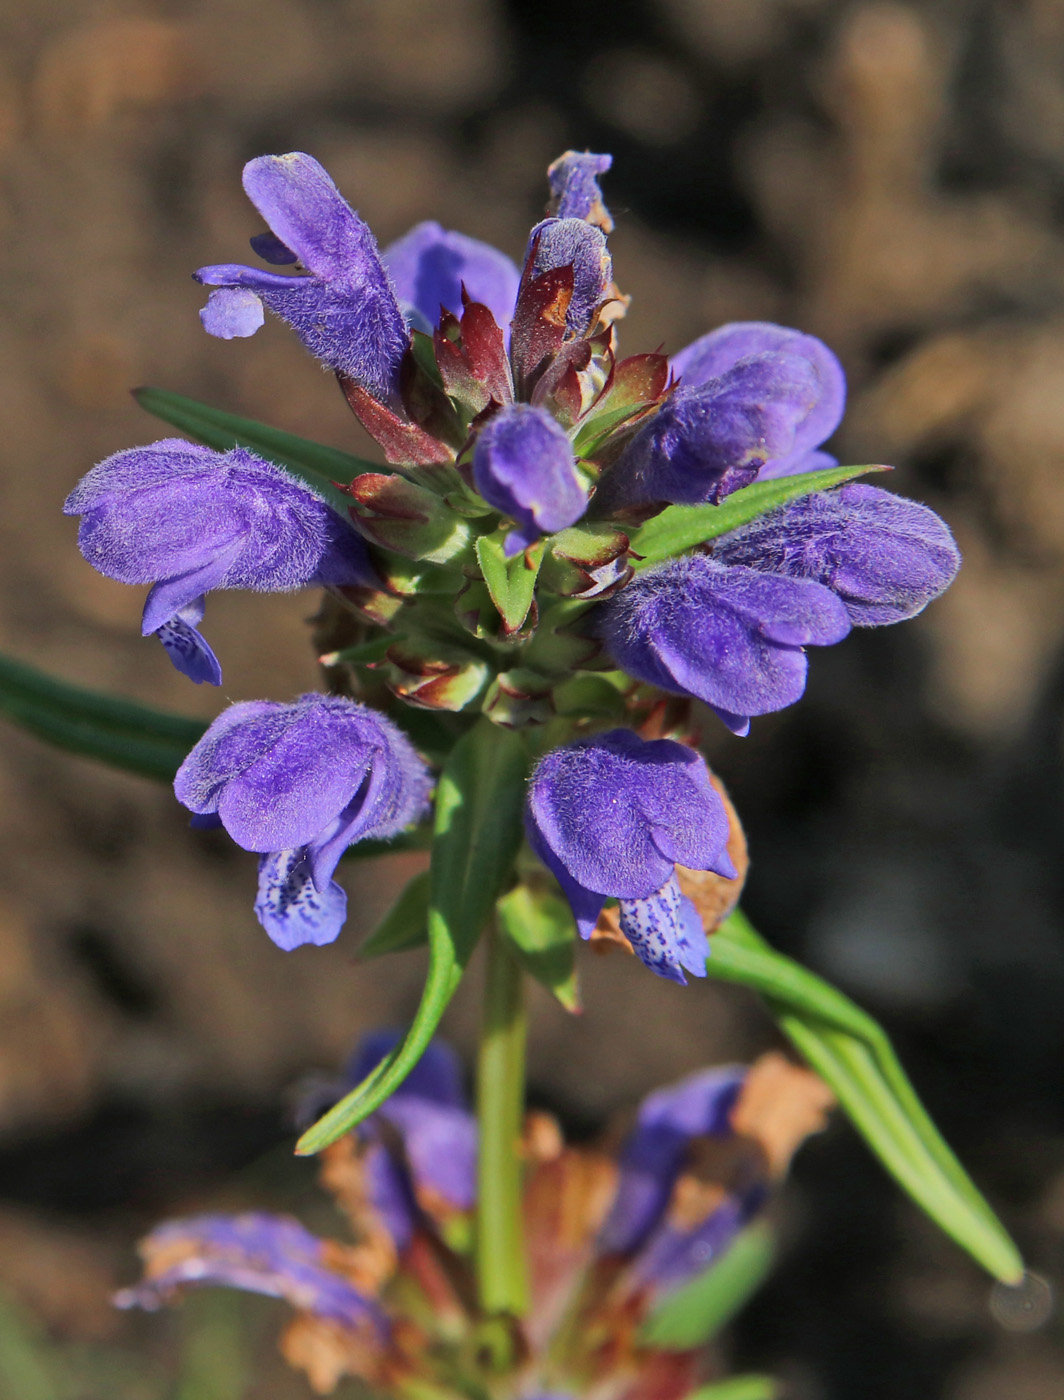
500, 1246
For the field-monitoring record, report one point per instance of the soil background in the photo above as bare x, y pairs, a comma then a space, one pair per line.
887, 176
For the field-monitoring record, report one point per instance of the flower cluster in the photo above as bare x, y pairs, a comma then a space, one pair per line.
609, 1238
496, 559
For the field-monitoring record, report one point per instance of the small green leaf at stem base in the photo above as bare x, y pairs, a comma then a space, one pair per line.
476, 836
539, 929
511, 582
406, 924
679, 528
696, 1312
852, 1053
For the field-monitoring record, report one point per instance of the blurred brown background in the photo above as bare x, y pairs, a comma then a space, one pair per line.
889, 176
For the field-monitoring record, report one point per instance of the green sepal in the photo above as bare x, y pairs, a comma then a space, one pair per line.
406, 924
696, 1311
592, 696
476, 836
539, 929
852, 1053
678, 528
314, 463
511, 582
362, 653
96, 725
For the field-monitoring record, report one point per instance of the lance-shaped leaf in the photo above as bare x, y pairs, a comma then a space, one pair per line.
852, 1053
678, 528
540, 930
406, 924
511, 582
477, 833
696, 1312
109, 728
319, 466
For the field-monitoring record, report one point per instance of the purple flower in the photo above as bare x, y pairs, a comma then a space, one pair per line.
186, 520
345, 312
430, 265
728, 635
523, 465
612, 816
258, 1253
574, 188
557, 243
655, 1151
429, 1117
755, 402
299, 784
885, 557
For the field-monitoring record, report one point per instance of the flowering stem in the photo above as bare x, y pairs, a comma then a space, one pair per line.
500, 1247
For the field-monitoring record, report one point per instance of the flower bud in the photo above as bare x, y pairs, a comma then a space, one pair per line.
406, 518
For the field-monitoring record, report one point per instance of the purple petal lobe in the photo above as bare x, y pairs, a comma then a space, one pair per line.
430, 265
712, 439
561, 242
617, 813
653, 1154
290, 907
666, 933
232, 313
345, 311
299, 783
523, 465
270, 249
885, 557
187, 648
728, 635
574, 188
258, 1253
187, 520
721, 350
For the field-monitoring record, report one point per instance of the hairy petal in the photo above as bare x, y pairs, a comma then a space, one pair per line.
430, 265
884, 556
523, 465
730, 636
617, 812
564, 242
291, 908
574, 188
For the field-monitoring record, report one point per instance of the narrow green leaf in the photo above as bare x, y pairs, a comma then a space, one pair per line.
739, 1388
109, 728
695, 1313
319, 466
477, 832
853, 1054
406, 924
540, 931
364, 653
682, 527
511, 582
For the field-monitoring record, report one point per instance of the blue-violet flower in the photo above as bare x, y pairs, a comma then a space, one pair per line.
612, 816
523, 465
299, 784
187, 520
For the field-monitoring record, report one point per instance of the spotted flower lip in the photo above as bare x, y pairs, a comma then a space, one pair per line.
612, 816
885, 557
523, 465
430, 266
300, 783
729, 635
188, 520
345, 310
